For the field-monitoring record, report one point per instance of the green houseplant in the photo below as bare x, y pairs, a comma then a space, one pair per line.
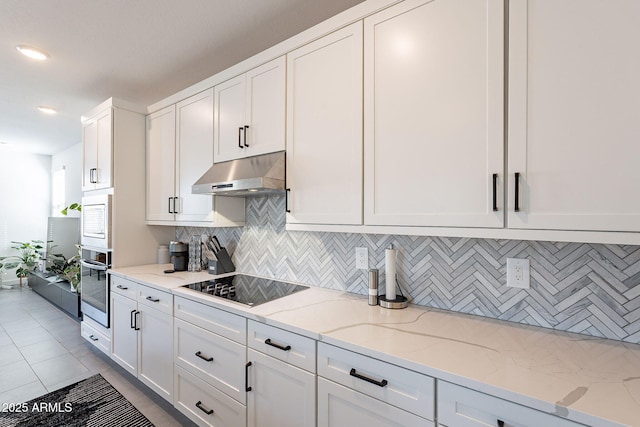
73, 207
25, 261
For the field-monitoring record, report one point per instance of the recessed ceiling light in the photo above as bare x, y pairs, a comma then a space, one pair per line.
47, 110
32, 52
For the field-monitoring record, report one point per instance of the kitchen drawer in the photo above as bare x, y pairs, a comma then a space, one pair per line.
340, 406
462, 407
212, 319
214, 359
160, 300
291, 348
97, 335
124, 287
392, 384
194, 398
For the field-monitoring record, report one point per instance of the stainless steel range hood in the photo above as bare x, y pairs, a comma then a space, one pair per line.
251, 176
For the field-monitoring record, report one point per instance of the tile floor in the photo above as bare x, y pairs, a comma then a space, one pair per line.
41, 350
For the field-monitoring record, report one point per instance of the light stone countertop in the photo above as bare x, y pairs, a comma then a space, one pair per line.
588, 380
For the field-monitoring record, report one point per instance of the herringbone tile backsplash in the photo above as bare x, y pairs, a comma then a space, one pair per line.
586, 288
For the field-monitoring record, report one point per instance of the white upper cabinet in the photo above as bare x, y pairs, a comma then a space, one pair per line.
249, 113
194, 155
97, 150
161, 158
574, 122
324, 130
179, 152
434, 114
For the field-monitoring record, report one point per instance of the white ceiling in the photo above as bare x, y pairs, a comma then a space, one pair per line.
138, 50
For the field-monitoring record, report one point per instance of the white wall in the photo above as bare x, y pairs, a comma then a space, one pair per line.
25, 195
71, 160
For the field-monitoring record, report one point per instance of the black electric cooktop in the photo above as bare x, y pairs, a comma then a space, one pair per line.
245, 289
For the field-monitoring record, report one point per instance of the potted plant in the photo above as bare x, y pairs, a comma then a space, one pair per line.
67, 268
25, 261
73, 207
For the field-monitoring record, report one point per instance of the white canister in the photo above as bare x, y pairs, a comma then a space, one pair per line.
163, 254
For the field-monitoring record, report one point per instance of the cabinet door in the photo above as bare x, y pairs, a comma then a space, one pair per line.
155, 358
339, 406
96, 151
161, 141
461, 407
89, 154
124, 342
434, 114
194, 155
574, 123
104, 150
324, 129
229, 119
265, 114
281, 395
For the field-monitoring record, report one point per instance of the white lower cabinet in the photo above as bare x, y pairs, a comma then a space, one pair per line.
279, 393
96, 334
339, 406
383, 382
204, 404
142, 335
461, 407
209, 353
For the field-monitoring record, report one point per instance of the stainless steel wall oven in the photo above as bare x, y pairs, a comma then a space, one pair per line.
94, 296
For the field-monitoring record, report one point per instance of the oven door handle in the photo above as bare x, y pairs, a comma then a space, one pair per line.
94, 265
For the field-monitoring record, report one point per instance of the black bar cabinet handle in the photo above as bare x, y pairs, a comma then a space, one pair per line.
152, 299
133, 324
500, 423
495, 192
169, 207
124, 288
353, 373
175, 205
246, 128
240, 129
516, 206
246, 376
93, 338
272, 344
286, 200
135, 321
203, 409
203, 357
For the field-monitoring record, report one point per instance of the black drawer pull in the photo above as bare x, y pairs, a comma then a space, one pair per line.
152, 299
203, 409
133, 321
353, 373
272, 344
124, 288
495, 192
246, 128
93, 338
240, 129
516, 190
500, 423
246, 376
205, 358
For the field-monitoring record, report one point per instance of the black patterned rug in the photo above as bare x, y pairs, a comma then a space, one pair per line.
91, 402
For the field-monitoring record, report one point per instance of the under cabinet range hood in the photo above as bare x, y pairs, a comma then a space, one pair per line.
251, 176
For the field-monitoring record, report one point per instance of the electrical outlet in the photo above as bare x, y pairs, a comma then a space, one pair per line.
518, 273
362, 258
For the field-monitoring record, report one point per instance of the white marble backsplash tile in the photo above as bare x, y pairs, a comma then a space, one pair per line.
592, 289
